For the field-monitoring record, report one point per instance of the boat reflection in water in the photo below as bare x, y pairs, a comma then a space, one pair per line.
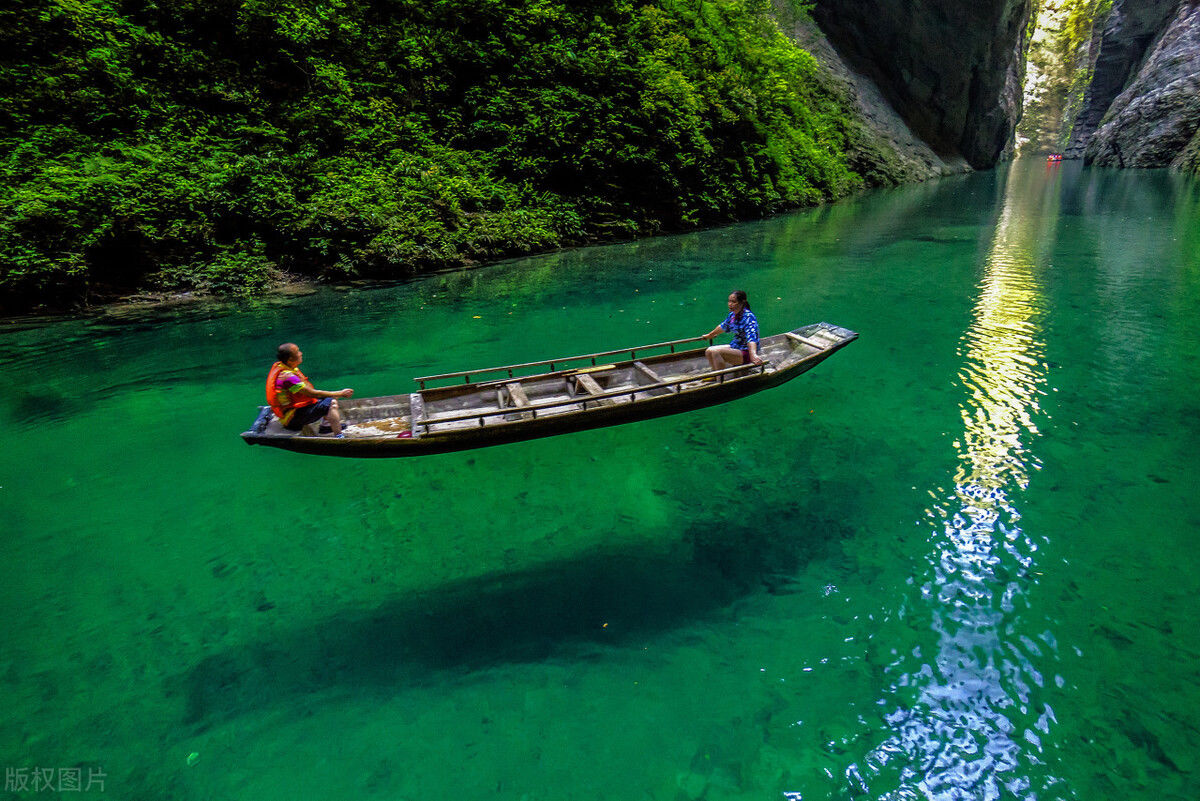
975, 719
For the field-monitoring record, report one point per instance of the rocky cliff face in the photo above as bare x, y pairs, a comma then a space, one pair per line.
1155, 120
885, 149
950, 69
1130, 28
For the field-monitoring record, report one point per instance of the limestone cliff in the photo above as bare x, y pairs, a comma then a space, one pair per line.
885, 149
1126, 35
1059, 64
1155, 120
938, 82
950, 69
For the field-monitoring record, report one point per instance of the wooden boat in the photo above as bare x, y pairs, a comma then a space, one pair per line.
500, 405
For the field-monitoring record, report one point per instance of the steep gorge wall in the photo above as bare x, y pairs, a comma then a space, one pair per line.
884, 149
951, 69
952, 73
1125, 37
1154, 121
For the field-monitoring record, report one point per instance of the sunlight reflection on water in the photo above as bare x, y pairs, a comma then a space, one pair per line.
968, 731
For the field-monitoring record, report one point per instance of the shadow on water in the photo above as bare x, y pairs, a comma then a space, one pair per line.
572, 609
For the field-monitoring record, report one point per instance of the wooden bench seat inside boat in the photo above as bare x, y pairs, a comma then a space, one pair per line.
592, 387
812, 343
589, 383
516, 394
516, 397
653, 376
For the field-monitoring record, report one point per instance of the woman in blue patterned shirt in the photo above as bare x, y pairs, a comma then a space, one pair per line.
744, 325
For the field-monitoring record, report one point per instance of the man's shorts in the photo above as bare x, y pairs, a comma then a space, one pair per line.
745, 355
309, 414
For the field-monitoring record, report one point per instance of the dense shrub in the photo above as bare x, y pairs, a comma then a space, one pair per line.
214, 143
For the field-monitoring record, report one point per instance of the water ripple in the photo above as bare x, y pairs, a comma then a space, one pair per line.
975, 714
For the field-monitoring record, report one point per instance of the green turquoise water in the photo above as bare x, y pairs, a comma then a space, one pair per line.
956, 561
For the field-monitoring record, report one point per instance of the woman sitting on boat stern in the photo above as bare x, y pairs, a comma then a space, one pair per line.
744, 325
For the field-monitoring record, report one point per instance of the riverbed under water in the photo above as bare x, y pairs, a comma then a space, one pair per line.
955, 561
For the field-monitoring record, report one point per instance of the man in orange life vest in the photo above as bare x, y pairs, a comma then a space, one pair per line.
294, 399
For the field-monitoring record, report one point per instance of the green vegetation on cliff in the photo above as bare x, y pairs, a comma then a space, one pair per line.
215, 143
1061, 51
1189, 160
1085, 20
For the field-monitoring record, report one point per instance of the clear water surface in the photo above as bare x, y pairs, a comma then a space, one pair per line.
956, 561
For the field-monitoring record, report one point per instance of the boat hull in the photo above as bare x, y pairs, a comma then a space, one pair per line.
492, 431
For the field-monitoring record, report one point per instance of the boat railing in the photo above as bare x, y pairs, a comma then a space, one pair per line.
466, 375
584, 400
